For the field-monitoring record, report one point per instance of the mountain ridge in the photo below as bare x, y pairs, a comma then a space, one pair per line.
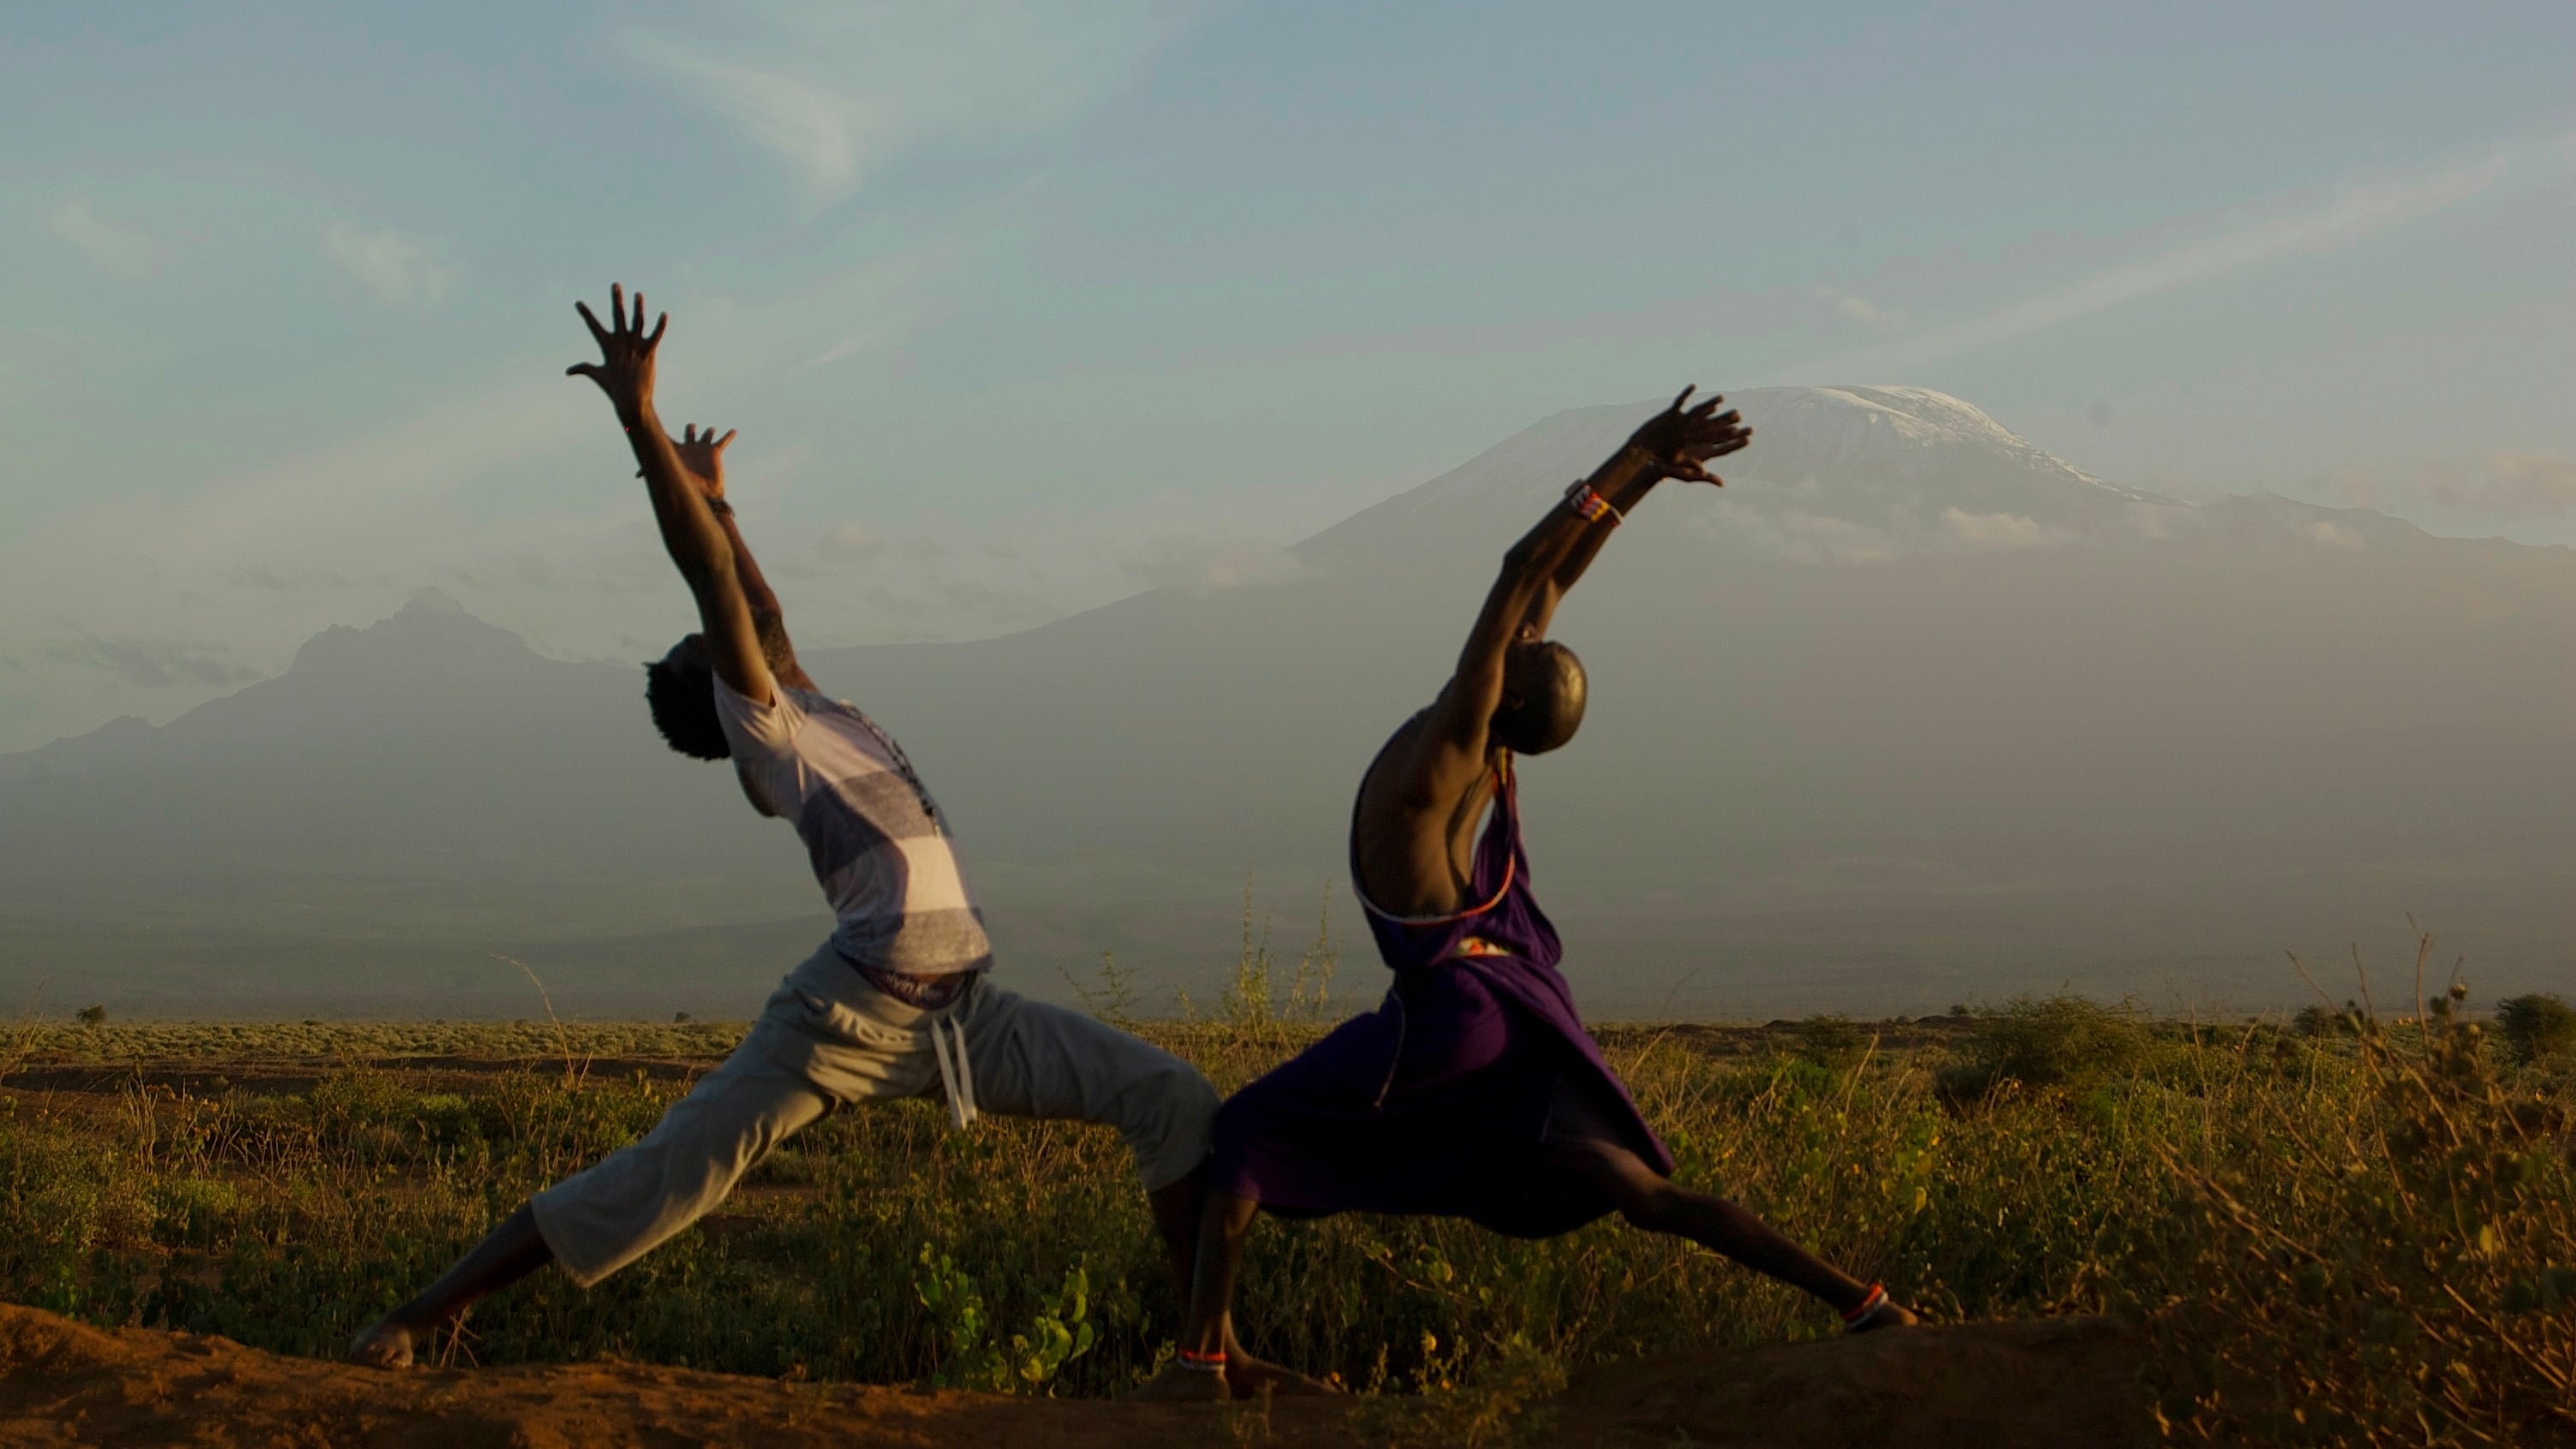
433, 616
1864, 735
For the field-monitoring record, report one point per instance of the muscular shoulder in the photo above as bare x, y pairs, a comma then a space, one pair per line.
1425, 767
1418, 786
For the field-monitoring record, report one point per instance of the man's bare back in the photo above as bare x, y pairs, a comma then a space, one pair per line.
1414, 858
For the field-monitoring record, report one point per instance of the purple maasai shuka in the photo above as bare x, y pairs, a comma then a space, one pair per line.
1436, 1102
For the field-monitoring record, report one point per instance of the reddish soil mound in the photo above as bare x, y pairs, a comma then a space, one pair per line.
1994, 1386
2041, 1384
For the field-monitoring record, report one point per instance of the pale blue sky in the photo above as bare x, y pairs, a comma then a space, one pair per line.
1023, 306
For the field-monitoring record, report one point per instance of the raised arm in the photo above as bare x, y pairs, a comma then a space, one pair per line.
696, 541
1455, 732
701, 452
1675, 443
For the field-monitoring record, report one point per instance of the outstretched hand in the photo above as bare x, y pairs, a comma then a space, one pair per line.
702, 453
1679, 442
625, 367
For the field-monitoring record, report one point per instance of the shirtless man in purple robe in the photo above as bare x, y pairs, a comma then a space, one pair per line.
1474, 1090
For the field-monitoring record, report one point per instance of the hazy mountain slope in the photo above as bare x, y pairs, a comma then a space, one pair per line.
1909, 712
1908, 708
408, 797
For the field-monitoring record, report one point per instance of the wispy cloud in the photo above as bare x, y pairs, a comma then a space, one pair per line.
399, 269
1200, 563
2497, 487
2508, 485
849, 543
297, 579
2294, 228
113, 247
1987, 532
473, 482
847, 347
1861, 309
149, 663
367, 496
822, 132
835, 90
1809, 537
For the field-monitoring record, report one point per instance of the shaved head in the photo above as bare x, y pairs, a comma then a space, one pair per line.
1543, 695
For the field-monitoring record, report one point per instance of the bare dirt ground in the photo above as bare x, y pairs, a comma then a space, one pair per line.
2039, 1384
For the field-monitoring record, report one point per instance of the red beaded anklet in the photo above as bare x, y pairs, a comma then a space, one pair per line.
1868, 1307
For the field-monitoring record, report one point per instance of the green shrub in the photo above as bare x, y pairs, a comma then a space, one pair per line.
2057, 1042
2385, 1261
2320, 1021
2537, 1027
360, 1113
1830, 1041
194, 1211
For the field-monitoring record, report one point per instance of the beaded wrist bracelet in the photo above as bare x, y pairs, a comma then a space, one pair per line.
1583, 499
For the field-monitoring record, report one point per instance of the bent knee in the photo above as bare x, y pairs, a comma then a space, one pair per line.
1168, 1118
1182, 1089
1635, 1191
1647, 1205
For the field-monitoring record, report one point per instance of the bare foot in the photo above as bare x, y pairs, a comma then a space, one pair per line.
385, 1344
1893, 1315
1248, 1376
1178, 1384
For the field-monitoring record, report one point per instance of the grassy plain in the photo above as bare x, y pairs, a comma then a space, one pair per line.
2347, 1233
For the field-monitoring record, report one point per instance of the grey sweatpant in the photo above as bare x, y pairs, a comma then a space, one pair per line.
828, 1036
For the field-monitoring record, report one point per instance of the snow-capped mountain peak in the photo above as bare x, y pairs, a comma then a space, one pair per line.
1882, 470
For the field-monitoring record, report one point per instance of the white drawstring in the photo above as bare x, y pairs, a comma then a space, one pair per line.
954, 1074
965, 1073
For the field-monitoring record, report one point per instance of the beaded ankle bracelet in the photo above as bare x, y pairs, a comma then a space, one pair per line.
1868, 1308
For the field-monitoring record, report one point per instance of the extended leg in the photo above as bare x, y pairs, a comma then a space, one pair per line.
1652, 1201
507, 1254
598, 1221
